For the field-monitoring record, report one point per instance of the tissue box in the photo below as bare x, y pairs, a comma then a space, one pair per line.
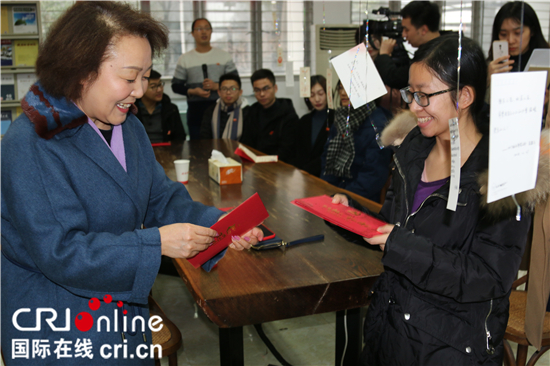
230, 173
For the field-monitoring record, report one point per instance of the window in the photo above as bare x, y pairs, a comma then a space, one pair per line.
234, 24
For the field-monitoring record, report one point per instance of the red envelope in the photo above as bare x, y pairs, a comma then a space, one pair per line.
247, 215
346, 217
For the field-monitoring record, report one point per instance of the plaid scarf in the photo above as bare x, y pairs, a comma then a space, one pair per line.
341, 149
234, 126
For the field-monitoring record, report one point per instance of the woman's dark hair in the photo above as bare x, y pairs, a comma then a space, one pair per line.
81, 40
196, 20
512, 10
440, 57
316, 79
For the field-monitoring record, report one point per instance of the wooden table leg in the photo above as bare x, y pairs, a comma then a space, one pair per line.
351, 318
231, 346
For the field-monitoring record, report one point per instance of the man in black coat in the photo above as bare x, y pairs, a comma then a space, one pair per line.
271, 123
158, 114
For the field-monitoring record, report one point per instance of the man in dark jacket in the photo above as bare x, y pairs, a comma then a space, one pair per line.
420, 25
158, 114
271, 123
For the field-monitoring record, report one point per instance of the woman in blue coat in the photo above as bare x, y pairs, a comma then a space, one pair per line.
86, 209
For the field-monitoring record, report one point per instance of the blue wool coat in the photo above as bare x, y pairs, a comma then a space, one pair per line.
72, 230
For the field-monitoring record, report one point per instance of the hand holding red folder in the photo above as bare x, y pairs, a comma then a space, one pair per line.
246, 216
346, 217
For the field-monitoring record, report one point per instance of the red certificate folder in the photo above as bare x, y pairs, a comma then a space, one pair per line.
247, 215
346, 217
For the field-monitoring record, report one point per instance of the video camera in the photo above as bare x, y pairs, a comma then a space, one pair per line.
388, 23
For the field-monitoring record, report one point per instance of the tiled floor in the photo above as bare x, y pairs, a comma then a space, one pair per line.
301, 341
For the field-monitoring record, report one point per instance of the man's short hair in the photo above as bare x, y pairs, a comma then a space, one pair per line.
263, 74
422, 13
154, 75
230, 76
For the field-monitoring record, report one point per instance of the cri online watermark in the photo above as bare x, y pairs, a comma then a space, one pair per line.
84, 322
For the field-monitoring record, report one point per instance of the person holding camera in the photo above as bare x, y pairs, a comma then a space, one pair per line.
420, 22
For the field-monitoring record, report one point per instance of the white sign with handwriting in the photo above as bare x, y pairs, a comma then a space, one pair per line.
514, 140
366, 84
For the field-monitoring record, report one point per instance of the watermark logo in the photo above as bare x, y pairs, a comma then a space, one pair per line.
84, 322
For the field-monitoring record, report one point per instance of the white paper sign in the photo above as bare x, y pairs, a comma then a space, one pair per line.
516, 113
279, 56
305, 82
454, 184
24, 83
330, 99
289, 74
367, 84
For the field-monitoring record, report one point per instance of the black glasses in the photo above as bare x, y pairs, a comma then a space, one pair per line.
264, 89
232, 89
156, 87
422, 99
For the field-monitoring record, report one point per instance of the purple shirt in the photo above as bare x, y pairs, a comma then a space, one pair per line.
424, 189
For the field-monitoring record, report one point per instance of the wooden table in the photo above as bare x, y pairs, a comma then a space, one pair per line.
252, 287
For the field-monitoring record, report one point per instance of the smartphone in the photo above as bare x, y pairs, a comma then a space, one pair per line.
500, 48
268, 234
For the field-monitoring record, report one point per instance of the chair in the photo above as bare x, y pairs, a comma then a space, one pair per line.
169, 337
515, 331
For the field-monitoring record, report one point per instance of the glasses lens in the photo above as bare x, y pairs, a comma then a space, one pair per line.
422, 99
406, 95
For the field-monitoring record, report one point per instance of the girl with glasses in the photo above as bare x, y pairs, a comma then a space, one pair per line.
443, 298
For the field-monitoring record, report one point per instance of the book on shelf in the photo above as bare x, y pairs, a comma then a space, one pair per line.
25, 52
5, 20
24, 83
7, 87
24, 19
7, 52
5, 121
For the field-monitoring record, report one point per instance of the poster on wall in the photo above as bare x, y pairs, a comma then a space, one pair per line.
24, 19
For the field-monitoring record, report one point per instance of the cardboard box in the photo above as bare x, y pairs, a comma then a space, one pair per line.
230, 173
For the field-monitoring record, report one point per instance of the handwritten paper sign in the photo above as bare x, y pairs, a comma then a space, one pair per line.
367, 84
516, 113
330, 99
305, 81
455, 164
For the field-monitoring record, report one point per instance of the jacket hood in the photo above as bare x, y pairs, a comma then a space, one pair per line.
400, 126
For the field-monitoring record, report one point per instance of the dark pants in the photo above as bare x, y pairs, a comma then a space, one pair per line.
195, 112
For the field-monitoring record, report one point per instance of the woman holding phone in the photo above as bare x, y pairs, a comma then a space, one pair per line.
521, 40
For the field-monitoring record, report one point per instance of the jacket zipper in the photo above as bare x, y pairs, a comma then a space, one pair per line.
490, 348
404, 183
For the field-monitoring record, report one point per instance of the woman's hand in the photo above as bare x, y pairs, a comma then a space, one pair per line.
381, 239
247, 240
185, 240
501, 64
387, 46
340, 199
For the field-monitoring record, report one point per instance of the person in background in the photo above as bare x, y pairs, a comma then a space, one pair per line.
443, 296
313, 128
507, 27
420, 21
160, 117
197, 74
87, 211
224, 120
271, 123
352, 158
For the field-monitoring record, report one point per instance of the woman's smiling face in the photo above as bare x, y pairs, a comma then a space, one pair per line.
122, 79
433, 120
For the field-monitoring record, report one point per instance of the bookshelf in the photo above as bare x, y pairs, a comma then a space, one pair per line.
20, 35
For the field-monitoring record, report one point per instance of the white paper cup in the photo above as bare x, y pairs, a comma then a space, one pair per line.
182, 170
